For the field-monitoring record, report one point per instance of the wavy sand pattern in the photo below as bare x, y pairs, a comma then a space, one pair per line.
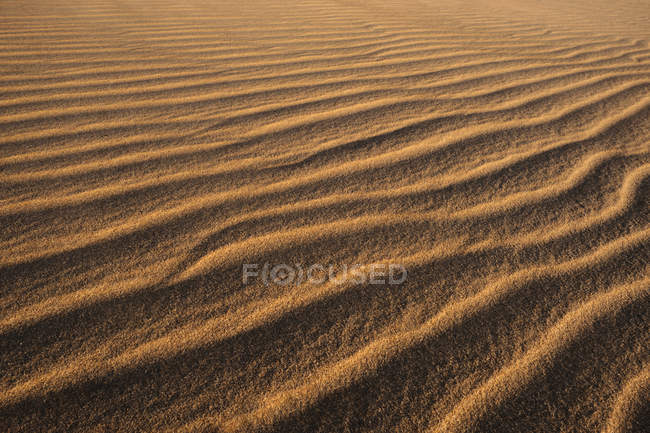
498, 150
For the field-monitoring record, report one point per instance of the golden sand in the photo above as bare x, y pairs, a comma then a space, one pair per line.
498, 150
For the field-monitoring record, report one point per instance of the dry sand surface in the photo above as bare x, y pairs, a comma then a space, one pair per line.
498, 150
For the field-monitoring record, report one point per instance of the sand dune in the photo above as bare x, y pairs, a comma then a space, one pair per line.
498, 151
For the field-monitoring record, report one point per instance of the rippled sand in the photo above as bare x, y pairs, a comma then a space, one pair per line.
498, 150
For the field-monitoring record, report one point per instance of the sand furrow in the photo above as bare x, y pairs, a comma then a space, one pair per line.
625, 416
518, 375
172, 214
361, 363
365, 361
412, 150
568, 233
498, 150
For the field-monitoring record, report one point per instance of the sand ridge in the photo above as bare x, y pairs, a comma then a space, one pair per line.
499, 150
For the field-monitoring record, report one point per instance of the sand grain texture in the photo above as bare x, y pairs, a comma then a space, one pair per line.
498, 149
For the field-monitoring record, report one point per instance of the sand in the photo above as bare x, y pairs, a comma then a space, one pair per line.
497, 151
